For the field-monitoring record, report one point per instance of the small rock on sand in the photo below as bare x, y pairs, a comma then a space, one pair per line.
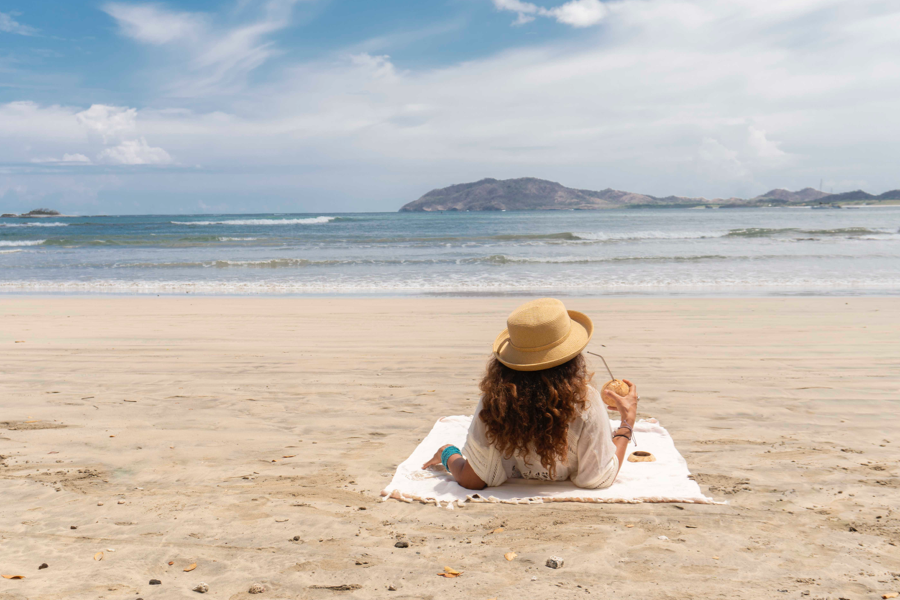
401, 544
257, 588
201, 588
43, 566
555, 562
155, 582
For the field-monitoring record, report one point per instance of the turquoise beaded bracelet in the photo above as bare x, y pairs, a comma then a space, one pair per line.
447, 453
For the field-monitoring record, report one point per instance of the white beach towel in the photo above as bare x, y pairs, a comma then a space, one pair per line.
665, 480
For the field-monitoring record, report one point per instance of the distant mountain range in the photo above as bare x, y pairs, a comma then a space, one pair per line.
529, 193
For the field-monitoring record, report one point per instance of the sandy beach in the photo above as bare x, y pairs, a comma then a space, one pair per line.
252, 437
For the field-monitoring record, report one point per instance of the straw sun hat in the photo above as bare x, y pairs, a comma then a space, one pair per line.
541, 334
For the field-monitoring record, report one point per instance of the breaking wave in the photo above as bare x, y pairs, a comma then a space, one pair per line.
753, 232
8, 243
34, 224
650, 235
309, 221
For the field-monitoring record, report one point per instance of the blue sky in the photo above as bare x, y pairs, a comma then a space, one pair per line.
330, 105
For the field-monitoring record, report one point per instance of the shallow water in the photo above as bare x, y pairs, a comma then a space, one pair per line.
632, 252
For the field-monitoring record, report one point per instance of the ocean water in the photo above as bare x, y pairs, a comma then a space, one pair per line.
726, 252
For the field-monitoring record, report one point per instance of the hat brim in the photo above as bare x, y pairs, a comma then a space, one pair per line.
518, 360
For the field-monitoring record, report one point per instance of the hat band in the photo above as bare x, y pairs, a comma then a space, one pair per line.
545, 346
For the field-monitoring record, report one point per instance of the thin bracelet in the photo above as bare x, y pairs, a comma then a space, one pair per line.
623, 424
622, 435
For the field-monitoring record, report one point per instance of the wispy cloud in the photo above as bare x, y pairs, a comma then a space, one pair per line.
9, 25
153, 24
67, 159
577, 13
218, 57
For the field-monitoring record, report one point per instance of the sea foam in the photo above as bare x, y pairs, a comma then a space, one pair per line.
34, 224
309, 221
21, 242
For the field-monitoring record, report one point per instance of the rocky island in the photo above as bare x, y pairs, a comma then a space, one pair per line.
529, 193
37, 213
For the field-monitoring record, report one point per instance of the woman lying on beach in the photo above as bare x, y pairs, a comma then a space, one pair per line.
539, 417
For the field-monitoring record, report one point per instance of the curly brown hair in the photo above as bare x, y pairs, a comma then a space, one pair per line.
525, 410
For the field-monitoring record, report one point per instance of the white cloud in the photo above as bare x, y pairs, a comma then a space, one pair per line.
516, 6
577, 13
115, 124
76, 159
764, 147
152, 24
9, 25
522, 19
112, 132
110, 122
377, 66
718, 161
218, 59
134, 152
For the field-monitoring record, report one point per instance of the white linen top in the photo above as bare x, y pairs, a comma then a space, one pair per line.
591, 458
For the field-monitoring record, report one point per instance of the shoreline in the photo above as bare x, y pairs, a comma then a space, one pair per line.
252, 437
412, 295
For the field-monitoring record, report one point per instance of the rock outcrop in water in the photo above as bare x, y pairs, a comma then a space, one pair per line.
529, 193
32, 214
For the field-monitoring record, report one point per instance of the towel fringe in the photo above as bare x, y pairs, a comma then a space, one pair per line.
479, 499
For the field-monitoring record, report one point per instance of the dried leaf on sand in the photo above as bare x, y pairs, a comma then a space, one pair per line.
498, 530
98, 556
450, 572
190, 567
13, 577
510, 555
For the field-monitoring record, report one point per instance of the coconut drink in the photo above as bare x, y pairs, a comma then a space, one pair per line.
616, 385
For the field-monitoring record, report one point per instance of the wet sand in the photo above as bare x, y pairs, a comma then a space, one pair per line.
252, 437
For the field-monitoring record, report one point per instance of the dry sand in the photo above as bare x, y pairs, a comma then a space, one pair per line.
252, 436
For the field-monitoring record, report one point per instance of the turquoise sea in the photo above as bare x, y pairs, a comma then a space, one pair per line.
730, 252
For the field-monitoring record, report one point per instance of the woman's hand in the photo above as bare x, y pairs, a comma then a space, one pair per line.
436, 459
626, 405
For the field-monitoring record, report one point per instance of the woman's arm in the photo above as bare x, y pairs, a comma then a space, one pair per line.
459, 468
627, 407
